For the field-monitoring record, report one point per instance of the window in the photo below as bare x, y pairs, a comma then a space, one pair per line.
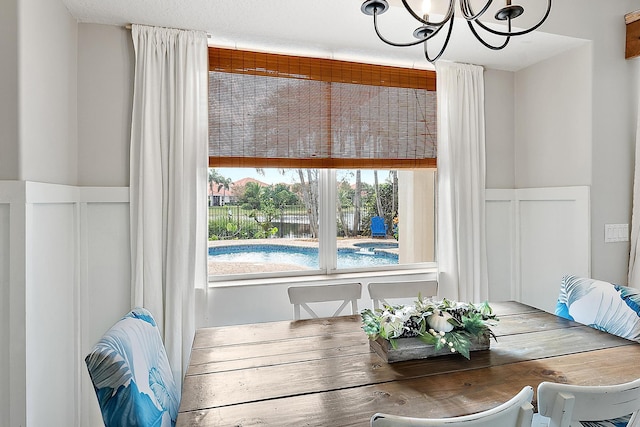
318, 166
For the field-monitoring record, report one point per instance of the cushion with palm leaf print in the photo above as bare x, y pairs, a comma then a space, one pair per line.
130, 372
601, 305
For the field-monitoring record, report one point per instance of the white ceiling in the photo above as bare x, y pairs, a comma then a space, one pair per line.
330, 29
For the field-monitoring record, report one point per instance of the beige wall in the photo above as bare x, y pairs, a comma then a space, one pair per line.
499, 119
105, 93
9, 150
553, 112
47, 92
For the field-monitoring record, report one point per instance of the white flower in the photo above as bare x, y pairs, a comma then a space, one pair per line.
393, 328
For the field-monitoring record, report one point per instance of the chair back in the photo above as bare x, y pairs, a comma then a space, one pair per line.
517, 412
378, 226
130, 372
602, 305
381, 292
301, 296
567, 404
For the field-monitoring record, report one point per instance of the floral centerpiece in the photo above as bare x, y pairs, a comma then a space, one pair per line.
447, 326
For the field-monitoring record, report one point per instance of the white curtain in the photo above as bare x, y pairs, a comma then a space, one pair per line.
168, 181
634, 256
461, 252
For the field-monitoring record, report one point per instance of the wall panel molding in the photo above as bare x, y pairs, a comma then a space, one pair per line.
534, 237
60, 245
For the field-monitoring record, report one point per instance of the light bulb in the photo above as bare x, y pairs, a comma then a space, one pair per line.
426, 7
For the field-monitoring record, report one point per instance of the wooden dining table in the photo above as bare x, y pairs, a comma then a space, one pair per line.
322, 372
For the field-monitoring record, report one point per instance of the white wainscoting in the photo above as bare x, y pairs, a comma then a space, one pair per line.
64, 279
105, 266
500, 223
534, 237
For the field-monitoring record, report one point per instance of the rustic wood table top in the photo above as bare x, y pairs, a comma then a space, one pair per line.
322, 372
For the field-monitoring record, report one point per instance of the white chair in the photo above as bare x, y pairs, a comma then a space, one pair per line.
564, 405
517, 412
348, 293
380, 292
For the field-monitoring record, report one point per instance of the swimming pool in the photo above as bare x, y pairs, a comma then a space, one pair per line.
302, 256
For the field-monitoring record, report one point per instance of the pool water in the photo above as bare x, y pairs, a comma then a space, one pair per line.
305, 257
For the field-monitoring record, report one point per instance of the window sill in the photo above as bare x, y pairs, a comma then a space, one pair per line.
426, 273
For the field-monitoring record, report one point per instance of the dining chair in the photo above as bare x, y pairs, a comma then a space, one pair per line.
602, 305
516, 412
131, 376
301, 296
380, 292
568, 405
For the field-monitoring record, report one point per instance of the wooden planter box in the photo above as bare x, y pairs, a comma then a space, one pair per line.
414, 348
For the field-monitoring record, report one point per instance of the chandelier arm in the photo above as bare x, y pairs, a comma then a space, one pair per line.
426, 22
444, 45
467, 11
481, 40
389, 42
516, 33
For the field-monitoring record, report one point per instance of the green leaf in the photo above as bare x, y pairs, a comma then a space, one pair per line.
460, 342
428, 339
474, 324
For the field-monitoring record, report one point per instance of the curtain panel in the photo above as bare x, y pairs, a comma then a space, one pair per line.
634, 255
168, 182
461, 240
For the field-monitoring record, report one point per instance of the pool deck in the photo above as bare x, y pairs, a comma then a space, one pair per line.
224, 268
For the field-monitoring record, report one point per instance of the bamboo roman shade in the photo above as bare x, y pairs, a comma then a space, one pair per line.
282, 111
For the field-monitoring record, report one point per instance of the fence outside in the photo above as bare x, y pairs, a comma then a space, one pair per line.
292, 221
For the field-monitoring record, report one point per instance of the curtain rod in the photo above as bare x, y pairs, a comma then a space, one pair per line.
128, 27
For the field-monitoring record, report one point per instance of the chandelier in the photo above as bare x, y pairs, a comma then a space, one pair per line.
429, 29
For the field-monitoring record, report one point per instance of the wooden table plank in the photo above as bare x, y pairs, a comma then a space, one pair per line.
272, 352
442, 395
274, 331
333, 373
207, 360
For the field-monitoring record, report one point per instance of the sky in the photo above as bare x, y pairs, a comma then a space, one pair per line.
273, 176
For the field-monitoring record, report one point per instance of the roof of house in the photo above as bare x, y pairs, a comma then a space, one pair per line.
230, 192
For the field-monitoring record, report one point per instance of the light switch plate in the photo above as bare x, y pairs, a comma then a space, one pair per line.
616, 233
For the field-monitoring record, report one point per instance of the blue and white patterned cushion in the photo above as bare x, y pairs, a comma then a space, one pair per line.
131, 374
602, 305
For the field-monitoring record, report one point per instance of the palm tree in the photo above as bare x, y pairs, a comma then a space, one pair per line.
357, 203
378, 196
221, 182
224, 184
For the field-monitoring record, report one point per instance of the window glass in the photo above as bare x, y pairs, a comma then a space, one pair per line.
267, 221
